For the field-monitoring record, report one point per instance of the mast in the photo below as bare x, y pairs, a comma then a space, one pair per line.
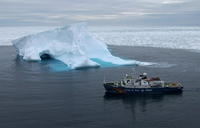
134, 71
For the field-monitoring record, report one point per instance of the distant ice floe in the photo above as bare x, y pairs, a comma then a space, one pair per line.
186, 38
71, 44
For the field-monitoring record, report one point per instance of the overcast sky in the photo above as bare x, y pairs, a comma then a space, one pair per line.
100, 12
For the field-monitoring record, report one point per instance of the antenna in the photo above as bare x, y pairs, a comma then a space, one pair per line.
104, 79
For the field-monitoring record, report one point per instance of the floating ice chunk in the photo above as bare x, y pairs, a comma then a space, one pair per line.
71, 45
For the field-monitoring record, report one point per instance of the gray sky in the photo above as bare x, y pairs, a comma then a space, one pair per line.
100, 12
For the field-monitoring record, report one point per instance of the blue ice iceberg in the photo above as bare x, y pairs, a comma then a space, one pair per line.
71, 45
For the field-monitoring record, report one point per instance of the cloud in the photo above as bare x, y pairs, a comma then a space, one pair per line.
96, 12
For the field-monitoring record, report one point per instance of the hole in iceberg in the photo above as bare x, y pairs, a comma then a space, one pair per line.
45, 56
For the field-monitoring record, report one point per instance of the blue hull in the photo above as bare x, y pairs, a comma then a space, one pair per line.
111, 89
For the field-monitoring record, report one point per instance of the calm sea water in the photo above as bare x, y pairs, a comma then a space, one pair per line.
44, 95
34, 96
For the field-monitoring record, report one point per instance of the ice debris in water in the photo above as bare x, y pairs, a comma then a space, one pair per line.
71, 45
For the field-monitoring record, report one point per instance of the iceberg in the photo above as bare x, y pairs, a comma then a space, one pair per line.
70, 44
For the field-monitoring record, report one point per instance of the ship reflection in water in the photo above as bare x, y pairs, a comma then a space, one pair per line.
147, 107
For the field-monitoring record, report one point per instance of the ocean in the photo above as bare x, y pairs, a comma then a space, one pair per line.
43, 95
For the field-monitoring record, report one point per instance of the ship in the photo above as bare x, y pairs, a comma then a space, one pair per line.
136, 85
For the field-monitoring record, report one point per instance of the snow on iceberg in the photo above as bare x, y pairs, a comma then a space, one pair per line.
71, 45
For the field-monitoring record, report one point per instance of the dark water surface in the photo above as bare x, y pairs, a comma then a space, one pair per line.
33, 96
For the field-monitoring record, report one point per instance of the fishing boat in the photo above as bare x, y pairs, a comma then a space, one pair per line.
142, 84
